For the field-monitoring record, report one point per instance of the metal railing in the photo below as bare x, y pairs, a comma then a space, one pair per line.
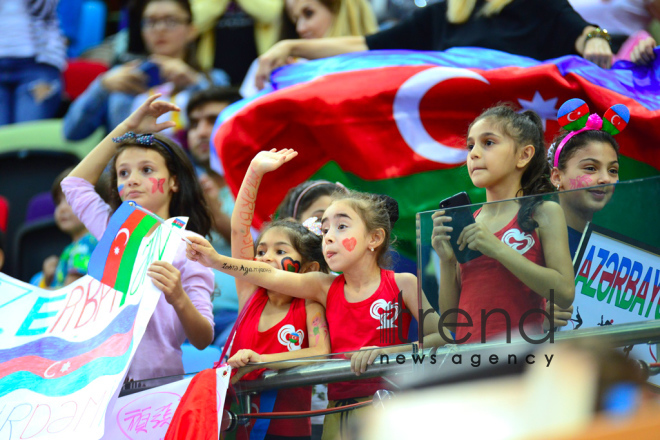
337, 370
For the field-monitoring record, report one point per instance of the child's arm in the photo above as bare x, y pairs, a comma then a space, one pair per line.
310, 285
167, 278
449, 289
243, 213
142, 120
319, 344
557, 275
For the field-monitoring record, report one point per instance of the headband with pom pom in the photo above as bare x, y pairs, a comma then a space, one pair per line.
574, 116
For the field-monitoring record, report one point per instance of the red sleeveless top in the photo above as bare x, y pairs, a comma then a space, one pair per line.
289, 334
487, 285
376, 320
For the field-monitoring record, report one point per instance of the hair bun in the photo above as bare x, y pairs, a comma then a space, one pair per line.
392, 207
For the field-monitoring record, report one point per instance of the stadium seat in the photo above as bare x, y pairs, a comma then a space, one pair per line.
40, 207
195, 360
24, 174
83, 23
46, 135
33, 243
79, 74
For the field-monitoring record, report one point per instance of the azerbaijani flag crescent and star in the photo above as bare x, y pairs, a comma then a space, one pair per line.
112, 261
395, 122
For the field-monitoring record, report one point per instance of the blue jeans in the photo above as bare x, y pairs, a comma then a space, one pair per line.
28, 90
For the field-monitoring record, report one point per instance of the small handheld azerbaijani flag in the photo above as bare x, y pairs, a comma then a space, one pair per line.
113, 258
178, 223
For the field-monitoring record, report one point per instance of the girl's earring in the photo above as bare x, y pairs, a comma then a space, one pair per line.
371, 249
558, 187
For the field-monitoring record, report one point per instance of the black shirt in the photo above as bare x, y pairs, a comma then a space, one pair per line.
540, 29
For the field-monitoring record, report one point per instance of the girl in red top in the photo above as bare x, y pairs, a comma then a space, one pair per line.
524, 242
364, 305
275, 326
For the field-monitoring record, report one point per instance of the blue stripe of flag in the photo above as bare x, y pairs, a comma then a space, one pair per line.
100, 254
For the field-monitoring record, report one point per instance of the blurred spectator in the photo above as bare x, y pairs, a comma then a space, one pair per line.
541, 29
62, 270
203, 110
171, 70
235, 32
32, 57
309, 19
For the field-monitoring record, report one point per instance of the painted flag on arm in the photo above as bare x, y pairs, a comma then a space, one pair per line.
112, 261
395, 122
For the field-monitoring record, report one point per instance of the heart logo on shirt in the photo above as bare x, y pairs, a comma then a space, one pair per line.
291, 338
385, 312
518, 241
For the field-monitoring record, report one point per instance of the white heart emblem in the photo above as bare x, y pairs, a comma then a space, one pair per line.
518, 240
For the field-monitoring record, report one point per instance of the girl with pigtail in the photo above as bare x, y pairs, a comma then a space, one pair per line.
363, 304
274, 326
523, 242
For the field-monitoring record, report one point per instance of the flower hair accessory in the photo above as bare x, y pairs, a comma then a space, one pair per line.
141, 139
574, 116
313, 225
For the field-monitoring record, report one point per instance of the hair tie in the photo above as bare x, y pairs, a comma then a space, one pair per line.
313, 225
143, 139
574, 116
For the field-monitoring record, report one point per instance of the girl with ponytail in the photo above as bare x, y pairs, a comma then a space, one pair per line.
523, 242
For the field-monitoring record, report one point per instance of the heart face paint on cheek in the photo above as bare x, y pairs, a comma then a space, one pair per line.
290, 265
157, 185
583, 181
349, 243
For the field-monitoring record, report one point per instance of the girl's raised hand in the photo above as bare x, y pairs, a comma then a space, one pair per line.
143, 119
477, 237
267, 161
201, 251
440, 236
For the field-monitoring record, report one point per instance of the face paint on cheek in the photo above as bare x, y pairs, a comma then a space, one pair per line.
583, 181
290, 265
349, 243
120, 190
157, 185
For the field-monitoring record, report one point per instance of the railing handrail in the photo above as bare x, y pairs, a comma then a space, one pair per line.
338, 371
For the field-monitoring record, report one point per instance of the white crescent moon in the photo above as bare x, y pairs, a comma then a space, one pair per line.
46, 375
123, 231
406, 113
612, 119
569, 117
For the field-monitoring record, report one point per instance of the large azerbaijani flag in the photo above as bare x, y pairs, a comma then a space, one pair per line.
395, 122
112, 261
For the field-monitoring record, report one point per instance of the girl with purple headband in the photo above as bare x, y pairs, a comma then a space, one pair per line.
153, 171
585, 156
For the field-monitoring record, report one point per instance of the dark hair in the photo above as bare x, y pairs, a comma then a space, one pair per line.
525, 128
188, 200
212, 94
301, 197
101, 187
576, 143
305, 242
376, 211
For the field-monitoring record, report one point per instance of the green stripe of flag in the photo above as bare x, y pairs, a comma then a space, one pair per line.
130, 252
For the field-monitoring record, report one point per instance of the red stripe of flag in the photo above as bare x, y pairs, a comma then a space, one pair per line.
118, 246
